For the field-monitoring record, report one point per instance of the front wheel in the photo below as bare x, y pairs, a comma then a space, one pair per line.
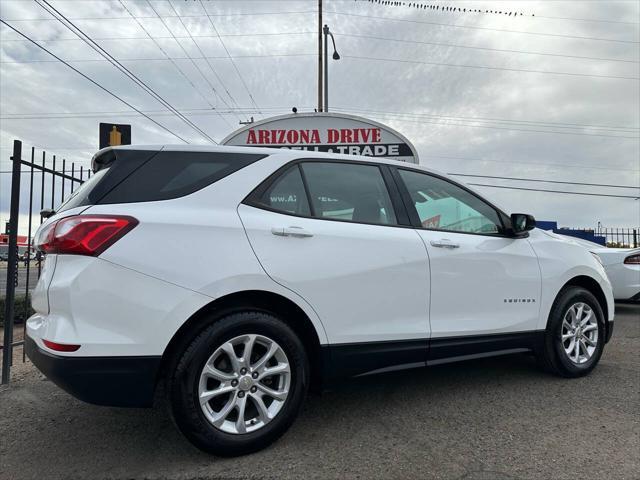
575, 334
240, 383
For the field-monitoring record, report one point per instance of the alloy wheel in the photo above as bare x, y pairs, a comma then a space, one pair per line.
579, 333
244, 384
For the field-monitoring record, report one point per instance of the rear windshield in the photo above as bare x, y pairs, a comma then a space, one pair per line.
175, 174
145, 176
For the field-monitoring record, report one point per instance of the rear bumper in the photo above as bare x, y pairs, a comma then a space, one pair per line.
110, 381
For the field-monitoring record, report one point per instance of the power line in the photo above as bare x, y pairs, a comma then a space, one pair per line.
193, 62
238, 14
529, 163
258, 14
498, 120
482, 67
93, 60
406, 20
227, 51
588, 20
233, 113
417, 42
95, 46
94, 82
186, 111
416, 119
112, 39
544, 181
206, 111
486, 67
515, 129
449, 124
353, 35
554, 191
177, 67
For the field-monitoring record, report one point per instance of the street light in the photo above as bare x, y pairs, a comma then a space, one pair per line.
326, 64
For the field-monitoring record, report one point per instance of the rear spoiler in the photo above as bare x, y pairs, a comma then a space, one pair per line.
102, 158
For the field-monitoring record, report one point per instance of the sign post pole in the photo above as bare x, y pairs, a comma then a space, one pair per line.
319, 55
326, 69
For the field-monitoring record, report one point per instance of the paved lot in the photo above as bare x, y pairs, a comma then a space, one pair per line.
492, 419
22, 278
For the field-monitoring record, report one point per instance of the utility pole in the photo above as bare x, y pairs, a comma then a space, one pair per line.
326, 69
319, 55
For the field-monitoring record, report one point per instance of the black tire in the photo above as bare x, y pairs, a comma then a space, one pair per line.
552, 355
184, 376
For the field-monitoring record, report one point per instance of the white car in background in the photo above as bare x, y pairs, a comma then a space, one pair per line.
621, 264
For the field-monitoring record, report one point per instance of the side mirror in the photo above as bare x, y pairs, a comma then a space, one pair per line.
522, 222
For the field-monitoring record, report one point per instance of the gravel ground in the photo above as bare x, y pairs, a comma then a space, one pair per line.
494, 419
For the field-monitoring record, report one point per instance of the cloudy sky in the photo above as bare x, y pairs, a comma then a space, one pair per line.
553, 96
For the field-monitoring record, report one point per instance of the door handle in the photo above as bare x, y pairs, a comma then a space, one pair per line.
297, 232
444, 243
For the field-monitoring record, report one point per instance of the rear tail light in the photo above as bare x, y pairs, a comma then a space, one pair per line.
84, 234
60, 347
632, 260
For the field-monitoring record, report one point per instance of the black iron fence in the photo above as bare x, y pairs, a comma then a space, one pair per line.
47, 187
619, 237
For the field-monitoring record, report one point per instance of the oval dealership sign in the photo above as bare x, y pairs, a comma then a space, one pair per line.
326, 132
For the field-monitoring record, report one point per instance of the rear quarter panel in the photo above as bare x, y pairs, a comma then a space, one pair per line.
198, 241
40, 294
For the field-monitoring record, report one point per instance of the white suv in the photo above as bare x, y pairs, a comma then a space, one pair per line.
317, 267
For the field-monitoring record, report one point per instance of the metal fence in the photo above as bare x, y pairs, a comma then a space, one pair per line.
619, 237
42, 181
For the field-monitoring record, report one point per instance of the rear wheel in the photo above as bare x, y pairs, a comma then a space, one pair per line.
239, 384
575, 334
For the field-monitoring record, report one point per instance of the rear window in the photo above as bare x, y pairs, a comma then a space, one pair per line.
113, 167
129, 176
176, 174
80, 196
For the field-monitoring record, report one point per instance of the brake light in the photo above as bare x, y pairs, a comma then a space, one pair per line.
632, 260
60, 347
84, 234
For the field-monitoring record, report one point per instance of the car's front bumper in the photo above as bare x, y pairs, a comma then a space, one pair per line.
111, 381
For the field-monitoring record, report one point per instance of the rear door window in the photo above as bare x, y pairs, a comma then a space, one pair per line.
348, 191
287, 194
